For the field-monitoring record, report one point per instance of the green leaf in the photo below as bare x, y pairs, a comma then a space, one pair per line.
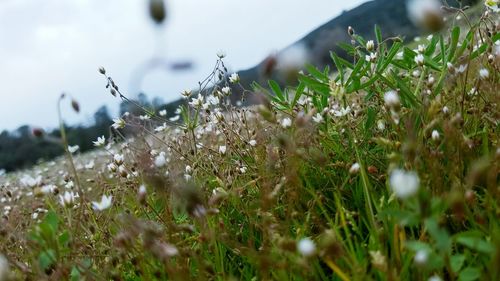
75, 274
440, 235
64, 238
457, 261
316, 73
479, 51
455, 35
339, 65
475, 242
298, 93
469, 274
378, 34
46, 259
276, 89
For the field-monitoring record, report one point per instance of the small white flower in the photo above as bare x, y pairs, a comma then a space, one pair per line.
103, 204
34, 216
416, 73
421, 49
371, 57
186, 93
118, 158
343, 111
435, 135
234, 78
144, 117
461, 68
69, 185
404, 184
197, 102
211, 99
306, 247
354, 168
318, 118
226, 91
243, 169
446, 110
161, 128
419, 59
286, 122
252, 142
435, 278
101, 141
67, 199
142, 189
73, 149
391, 99
160, 160
222, 149
163, 112
49, 188
189, 170
493, 5
370, 45
112, 167
484, 73
421, 257
175, 118
380, 125
118, 123
421, 11
221, 54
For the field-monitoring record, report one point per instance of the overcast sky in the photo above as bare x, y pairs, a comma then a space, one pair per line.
53, 46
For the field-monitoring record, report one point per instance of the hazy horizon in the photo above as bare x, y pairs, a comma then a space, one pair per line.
57, 46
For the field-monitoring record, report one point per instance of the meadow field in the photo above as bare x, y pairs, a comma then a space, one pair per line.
383, 167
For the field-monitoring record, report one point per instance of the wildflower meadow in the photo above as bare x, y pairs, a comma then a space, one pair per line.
384, 166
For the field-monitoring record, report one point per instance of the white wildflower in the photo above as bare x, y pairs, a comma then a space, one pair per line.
493, 5
354, 168
286, 122
435, 278
435, 135
222, 149
221, 54
484, 73
118, 123
421, 257
391, 99
118, 159
370, 45
380, 125
101, 141
226, 91
160, 160
318, 118
197, 102
73, 149
163, 112
234, 78
306, 247
404, 184
252, 142
419, 59
174, 118
371, 57
103, 204
425, 13
67, 199
186, 93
